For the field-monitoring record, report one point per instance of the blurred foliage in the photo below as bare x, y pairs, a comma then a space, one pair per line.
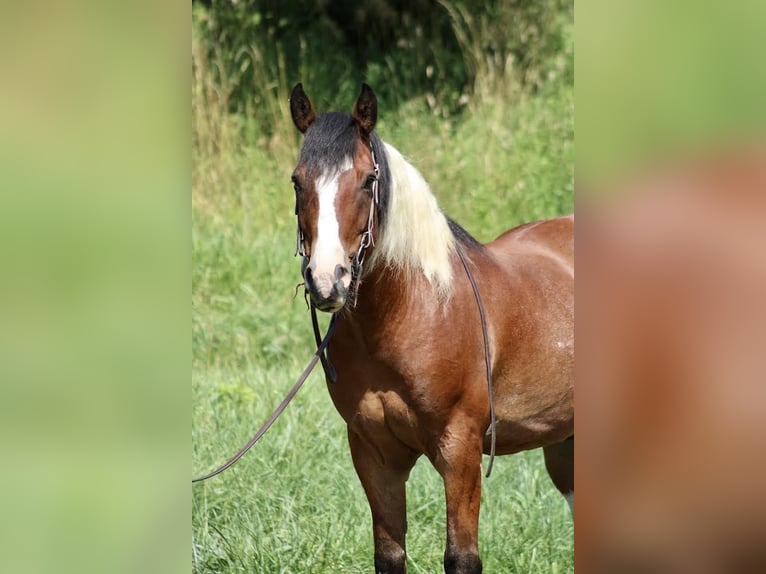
480, 100
441, 53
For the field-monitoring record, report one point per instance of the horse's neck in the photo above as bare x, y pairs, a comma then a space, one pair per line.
387, 297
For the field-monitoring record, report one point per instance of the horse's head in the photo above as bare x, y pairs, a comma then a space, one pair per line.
336, 186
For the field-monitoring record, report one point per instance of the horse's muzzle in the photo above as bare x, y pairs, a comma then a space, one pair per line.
328, 292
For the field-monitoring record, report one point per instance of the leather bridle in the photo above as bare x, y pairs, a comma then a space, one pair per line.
322, 354
357, 261
367, 237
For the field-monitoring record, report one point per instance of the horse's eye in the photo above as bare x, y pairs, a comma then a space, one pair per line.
368, 182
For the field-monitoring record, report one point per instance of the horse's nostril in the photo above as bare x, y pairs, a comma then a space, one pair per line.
340, 272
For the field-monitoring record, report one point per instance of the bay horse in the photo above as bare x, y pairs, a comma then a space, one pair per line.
407, 350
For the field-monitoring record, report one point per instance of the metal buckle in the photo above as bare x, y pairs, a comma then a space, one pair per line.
299, 242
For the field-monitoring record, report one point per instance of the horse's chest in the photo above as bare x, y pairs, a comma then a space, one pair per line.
380, 416
379, 388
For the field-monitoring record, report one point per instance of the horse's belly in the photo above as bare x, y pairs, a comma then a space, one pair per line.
535, 407
517, 433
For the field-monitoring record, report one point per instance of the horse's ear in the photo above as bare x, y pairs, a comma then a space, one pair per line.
366, 110
301, 109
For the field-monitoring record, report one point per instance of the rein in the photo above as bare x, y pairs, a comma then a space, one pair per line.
324, 356
321, 354
278, 411
487, 360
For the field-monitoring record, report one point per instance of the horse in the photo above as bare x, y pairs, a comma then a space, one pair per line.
408, 373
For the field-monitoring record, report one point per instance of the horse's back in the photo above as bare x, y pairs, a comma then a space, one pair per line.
536, 261
555, 235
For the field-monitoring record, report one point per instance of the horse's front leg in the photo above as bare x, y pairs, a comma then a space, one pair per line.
458, 460
383, 470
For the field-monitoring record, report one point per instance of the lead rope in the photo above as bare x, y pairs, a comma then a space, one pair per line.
487, 360
278, 411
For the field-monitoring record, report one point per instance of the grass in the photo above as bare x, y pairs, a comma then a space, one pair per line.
294, 503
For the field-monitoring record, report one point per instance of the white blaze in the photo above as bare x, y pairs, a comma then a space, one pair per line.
328, 250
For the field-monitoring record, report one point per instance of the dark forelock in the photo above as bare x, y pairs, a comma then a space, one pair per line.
329, 141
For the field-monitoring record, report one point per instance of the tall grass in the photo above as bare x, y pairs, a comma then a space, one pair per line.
502, 156
512, 47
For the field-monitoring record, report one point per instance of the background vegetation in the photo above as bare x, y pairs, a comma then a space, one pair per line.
480, 98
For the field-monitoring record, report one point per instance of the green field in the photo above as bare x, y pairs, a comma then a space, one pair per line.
294, 504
